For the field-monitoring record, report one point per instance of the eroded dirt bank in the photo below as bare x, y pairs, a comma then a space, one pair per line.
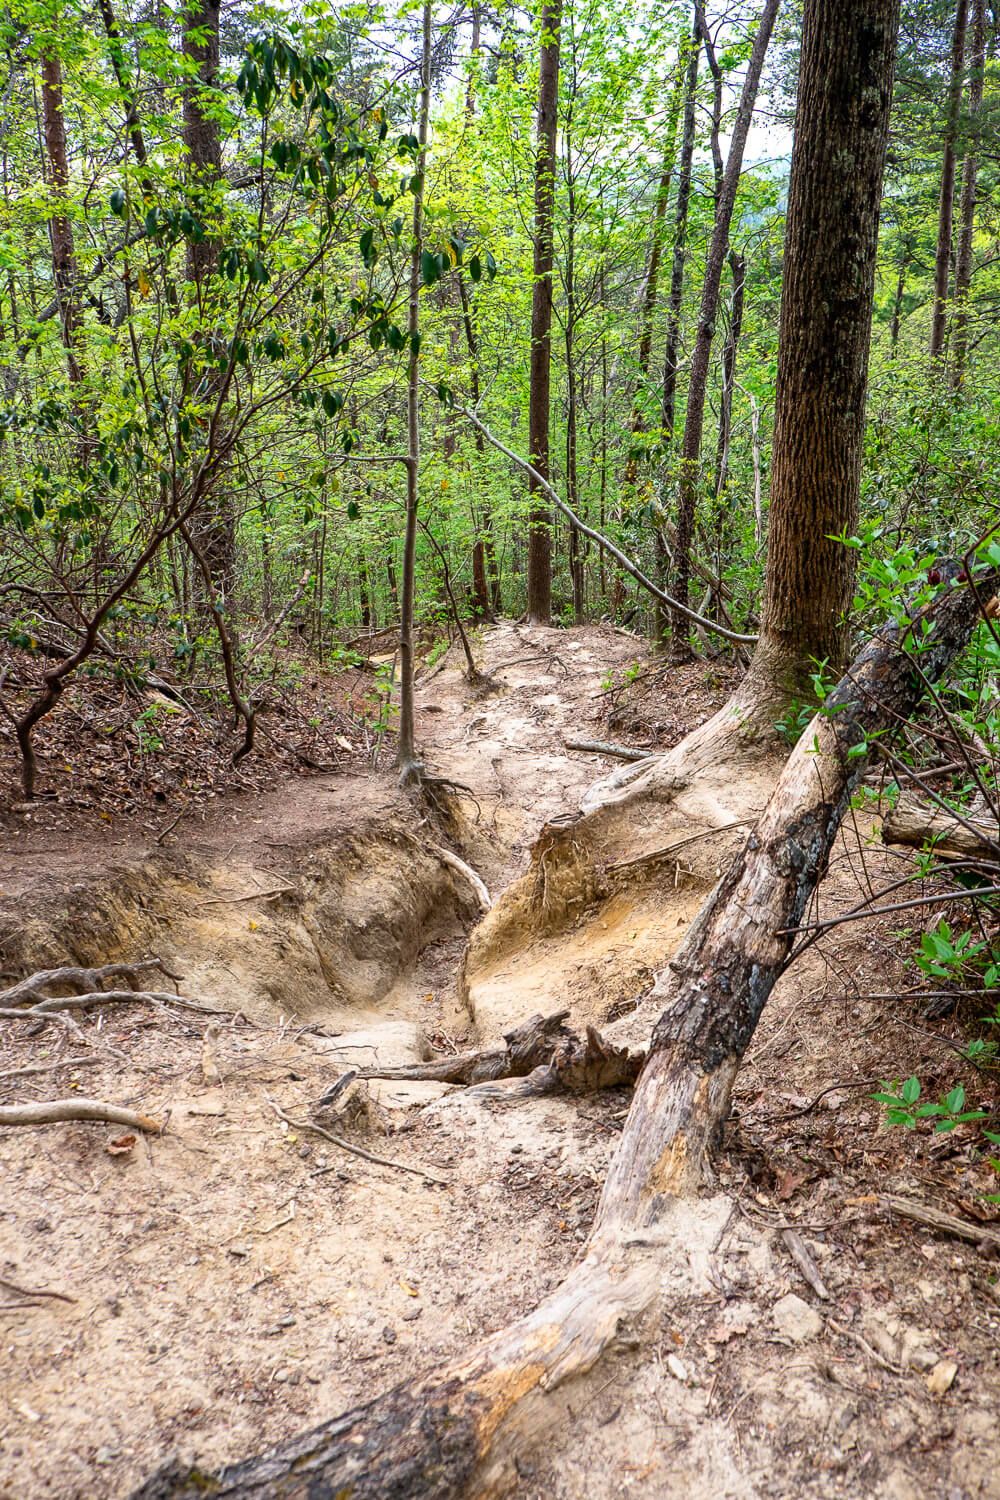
239, 1278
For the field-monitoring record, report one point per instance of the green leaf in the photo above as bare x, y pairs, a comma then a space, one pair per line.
428, 268
118, 202
910, 1092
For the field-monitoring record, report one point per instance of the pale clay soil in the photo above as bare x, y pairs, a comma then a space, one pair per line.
238, 1279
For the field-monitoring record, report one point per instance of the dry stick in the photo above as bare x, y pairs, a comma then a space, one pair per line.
797, 1250
25, 1291
281, 890
55, 1110
602, 541
67, 1062
936, 1218
692, 838
607, 747
336, 1140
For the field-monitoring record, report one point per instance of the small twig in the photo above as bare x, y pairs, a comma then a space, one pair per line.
336, 1140
66, 1062
56, 1110
797, 1250
668, 849
795, 1114
24, 1291
171, 826
281, 890
864, 1346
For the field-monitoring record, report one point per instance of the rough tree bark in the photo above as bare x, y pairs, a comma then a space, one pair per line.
458, 1429
540, 518
671, 357
65, 275
967, 202
406, 756
946, 207
694, 417
845, 90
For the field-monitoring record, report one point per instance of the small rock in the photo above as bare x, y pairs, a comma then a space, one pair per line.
288, 1321
105, 1455
389, 1335
411, 1314
677, 1368
240, 1251
796, 1320
942, 1377
281, 1376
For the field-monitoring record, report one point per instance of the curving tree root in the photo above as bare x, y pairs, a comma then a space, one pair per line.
459, 1429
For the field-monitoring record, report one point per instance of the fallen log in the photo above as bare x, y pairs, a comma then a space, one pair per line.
459, 1429
915, 825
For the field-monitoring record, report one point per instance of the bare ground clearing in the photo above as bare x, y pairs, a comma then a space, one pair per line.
237, 1278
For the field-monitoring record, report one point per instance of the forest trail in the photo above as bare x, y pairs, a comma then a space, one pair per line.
240, 1278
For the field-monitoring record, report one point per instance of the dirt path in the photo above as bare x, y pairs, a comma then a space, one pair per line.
239, 1278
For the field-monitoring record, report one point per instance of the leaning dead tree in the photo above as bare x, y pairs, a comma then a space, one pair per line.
458, 1429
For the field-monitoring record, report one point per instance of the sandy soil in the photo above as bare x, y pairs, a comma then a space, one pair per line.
239, 1278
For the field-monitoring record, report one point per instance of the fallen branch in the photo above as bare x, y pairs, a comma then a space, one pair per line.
936, 1218
912, 823
353, 1150
56, 1110
602, 541
607, 747
460, 1428
667, 850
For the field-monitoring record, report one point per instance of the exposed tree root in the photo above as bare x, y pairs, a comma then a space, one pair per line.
541, 1056
459, 1429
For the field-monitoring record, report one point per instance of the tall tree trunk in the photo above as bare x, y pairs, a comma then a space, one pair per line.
572, 414
540, 517
967, 202
946, 207
120, 70
675, 300
485, 577
738, 270
647, 315
845, 90
694, 419
214, 530
406, 757
897, 307
65, 272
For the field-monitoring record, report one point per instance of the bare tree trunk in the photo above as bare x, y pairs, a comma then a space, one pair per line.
214, 531
406, 757
675, 301
694, 419
540, 518
572, 487
845, 89
946, 208
738, 268
65, 275
967, 202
